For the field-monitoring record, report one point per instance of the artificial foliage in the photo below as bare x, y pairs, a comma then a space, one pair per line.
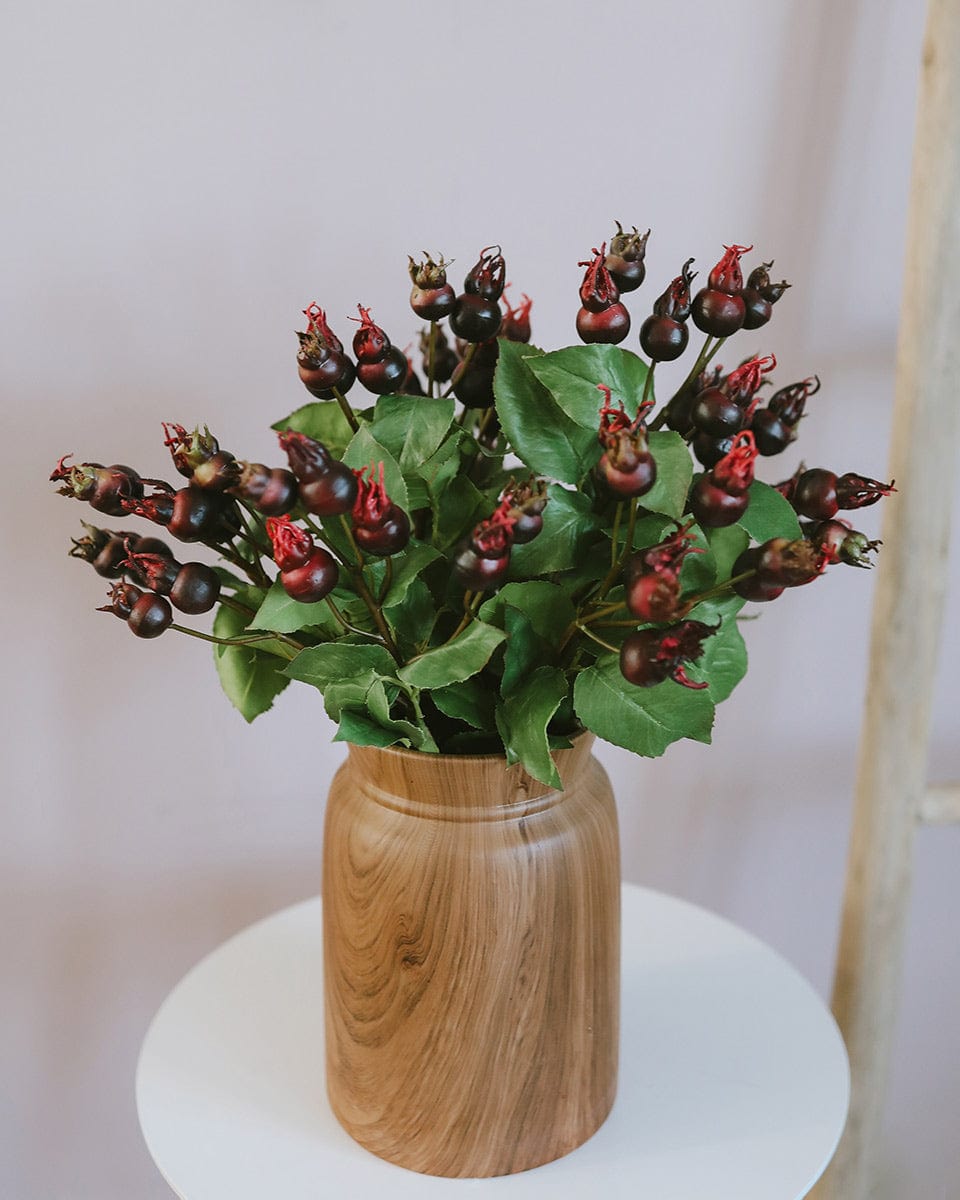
503, 545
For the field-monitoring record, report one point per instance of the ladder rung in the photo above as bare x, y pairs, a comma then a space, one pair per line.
941, 804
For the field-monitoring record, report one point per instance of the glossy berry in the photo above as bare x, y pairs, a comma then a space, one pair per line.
754, 587
717, 414
625, 261
650, 656
473, 386
526, 504
292, 546
771, 432
475, 318
516, 321
386, 375
719, 309
626, 466
312, 581
370, 343
271, 490
104, 488
760, 295
122, 597
379, 525
841, 542
663, 339
598, 291
713, 506
664, 335
477, 573
487, 277
328, 488
709, 450
815, 494
653, 596
432, 297
150, 616
607, 327
196, 588
321, 361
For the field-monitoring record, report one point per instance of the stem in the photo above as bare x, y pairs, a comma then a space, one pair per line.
242, 609
717, 590
431, 357
255, 574
377, 613
345, 624
470, 599
387, 580
617, 567
703, 359
245, 641
462, 369
615, 535
600, 642
346, 409
348, 529
648, 383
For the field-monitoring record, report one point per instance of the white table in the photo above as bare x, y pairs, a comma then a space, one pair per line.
733, 1078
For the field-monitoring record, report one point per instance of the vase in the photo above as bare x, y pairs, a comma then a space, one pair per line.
471, 958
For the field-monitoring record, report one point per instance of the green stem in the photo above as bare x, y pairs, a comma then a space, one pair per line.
345, 624
387, 580
471, 601
431, 357
648, 383
242, 609
615, 535
461, 369
346, 409
702, 360
718, 590
244, 641
600, 642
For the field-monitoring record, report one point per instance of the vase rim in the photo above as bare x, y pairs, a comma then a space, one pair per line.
576, 741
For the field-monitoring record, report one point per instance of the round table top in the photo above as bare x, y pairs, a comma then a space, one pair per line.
733, 1078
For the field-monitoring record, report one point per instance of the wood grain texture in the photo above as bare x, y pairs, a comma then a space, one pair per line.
471, 957
905, 641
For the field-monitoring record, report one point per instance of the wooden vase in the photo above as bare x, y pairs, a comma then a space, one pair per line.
471, 958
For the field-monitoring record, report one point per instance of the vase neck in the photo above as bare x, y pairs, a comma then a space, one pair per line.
462, 787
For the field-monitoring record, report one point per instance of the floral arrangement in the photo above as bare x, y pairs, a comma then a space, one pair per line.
508, 545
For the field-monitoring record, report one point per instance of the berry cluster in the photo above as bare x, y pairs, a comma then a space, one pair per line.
615, 583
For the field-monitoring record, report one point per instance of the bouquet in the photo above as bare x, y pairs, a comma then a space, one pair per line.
499, 546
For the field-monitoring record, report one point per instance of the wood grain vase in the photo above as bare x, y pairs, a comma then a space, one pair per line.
471, 958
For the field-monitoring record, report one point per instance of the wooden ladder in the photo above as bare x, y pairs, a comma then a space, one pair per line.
892, 794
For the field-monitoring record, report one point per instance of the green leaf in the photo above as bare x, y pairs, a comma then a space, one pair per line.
645, 720
769, 515
572, 375
539, 431
411, 427
323, 420
547, 605
361, 730
335, 662
724, 660
674, 473
282, 614
415, 734
250, 678
364, 449
413, 619
524, 651
349, 693
699, 570
727, 544
469, 701
523, 718
407, 566
569, 524
459, 509
456, 661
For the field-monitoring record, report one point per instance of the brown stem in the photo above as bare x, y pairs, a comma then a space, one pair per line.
431, 357
469, 612
461, 369
703, 359
346, 409
717, 590
242, 609
244, 641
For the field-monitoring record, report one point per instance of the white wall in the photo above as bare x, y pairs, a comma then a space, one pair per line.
180, 180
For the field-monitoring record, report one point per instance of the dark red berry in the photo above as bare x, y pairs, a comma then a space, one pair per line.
770, 432
315, 579
607, 327
760, 295
104, 488
487, 277
754, 587
625, 261
790, 562
516, 321
332, 495
716, 413
389, 537
122, 596
195, 589
527, 527
475, 319
757, 311
271, 490
717, 313
292, 546
790, 402
379, 525
432, 297
653, 596
598, 292
663, 339
150, 616
650, 656
473, 386
386, 375
477, 573
714, 507
639, 663
857, 491
815, 494
321, 360
709, 450
370, 343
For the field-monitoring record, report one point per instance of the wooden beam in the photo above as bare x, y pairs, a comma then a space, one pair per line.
891, 779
